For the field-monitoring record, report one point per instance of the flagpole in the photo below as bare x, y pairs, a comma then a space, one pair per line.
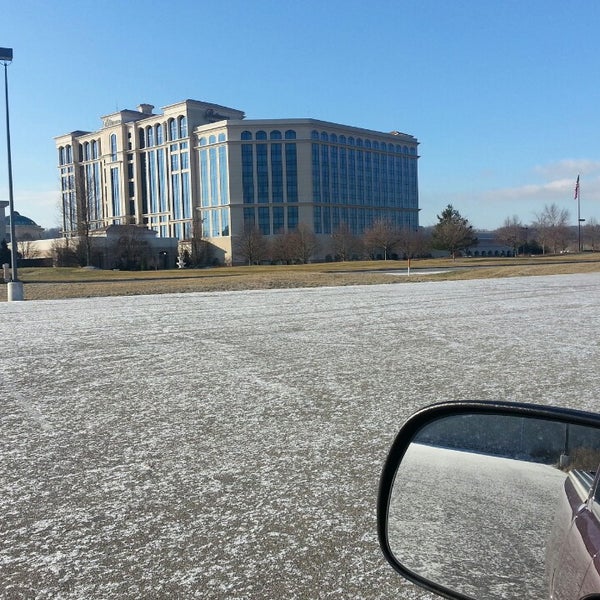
579, 219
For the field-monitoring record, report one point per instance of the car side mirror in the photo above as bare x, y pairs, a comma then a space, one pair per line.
493, 500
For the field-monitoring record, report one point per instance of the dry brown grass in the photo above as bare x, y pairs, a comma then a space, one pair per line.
56, 283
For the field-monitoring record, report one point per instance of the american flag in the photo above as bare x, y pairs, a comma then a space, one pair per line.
577, 188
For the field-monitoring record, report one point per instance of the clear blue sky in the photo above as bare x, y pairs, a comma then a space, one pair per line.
502, 95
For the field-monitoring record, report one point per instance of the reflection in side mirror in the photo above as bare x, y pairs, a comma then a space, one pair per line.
495, 502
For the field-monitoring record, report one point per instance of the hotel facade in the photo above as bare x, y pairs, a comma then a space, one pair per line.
200, 166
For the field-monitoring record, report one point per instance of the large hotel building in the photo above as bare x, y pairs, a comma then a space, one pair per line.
201, 163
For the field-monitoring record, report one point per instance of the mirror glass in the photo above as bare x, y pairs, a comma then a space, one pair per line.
483, 505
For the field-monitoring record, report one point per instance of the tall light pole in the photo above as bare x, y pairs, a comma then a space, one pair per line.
15, 287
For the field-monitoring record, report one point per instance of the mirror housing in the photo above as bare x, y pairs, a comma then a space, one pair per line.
414, 428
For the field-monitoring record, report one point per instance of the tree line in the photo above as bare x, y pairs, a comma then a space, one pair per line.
549, 232
382, 240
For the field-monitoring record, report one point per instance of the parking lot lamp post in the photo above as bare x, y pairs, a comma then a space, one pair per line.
15, 287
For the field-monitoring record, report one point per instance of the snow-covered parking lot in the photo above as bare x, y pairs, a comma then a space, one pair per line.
228, 445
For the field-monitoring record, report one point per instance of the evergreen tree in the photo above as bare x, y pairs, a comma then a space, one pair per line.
4, 253
452, 232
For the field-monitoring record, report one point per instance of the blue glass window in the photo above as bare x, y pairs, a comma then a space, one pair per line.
113, 147
247, 173
290, 134
314, 135
160, 138
317, 220
324, 136
61, 156
221, 137
149, 137
223, 172
291, 172
292, 218
316, 172
186, 196
86, 148
249, 218
94, 149
68, 155
203, 141
212, 139
172, 129
278, 219
224, 221
263, 220
342, 139
262, 173
142, 138
214, 182
183, 127
261, 135
333, 138
176, 191
116, 196
275, 135
246, 135
204, 179
276, 173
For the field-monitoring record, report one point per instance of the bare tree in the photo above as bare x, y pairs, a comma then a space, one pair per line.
552, 228
413, 242
304, 243
591, 234
345, 243
512, 233
381, 235
252, 245
27, 249
87, 194
283, 248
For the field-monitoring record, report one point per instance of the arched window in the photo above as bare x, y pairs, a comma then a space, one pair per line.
350, 141
367, 143
142, 138
86, 151
342, 139
149, 137
261, 135
375, 145
324, 136
398, 148
94, 149
61, 156
212, 139
413, 150
172, 130
333, 138
160, 138
246, 135
113, 147
221, 137
275, 135
314, 135
290, 134
68, 154
182, 127
202, 141
359, 142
